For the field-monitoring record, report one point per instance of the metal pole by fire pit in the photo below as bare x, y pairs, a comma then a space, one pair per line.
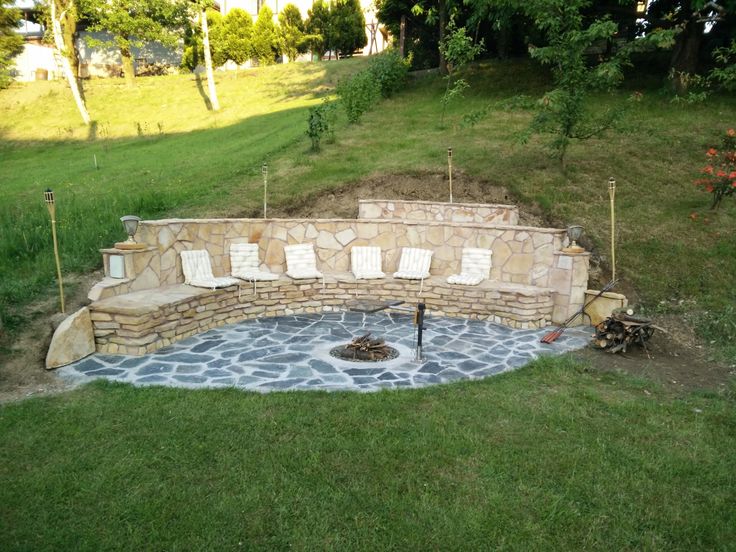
419, 321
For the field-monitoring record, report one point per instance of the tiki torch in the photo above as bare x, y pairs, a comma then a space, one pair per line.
264, 172
48, 197
612, 196
449, 169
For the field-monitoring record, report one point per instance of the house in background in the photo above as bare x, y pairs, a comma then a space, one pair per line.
37, 62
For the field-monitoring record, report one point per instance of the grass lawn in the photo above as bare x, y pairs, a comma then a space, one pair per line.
553, 456
161, 153
549, 457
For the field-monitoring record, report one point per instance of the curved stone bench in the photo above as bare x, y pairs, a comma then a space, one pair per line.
143, 321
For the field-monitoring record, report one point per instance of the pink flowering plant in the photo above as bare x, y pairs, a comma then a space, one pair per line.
720, 173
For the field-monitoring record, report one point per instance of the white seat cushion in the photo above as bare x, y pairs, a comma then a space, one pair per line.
365, 262
244, 263
465, 279
475, 267
301, 262
198, 271
414, 263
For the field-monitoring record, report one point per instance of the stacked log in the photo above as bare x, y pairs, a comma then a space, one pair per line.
620, 330
366, 348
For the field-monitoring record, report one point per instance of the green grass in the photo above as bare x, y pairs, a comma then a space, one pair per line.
159, 152
206, 164
549, 457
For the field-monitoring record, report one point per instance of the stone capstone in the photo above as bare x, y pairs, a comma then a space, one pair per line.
73, 340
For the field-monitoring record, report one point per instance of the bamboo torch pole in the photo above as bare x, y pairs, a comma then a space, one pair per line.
449, 169
48, 196
264, 171
612, 196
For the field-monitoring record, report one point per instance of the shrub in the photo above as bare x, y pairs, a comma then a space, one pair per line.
320, 123
238, 26
724, 74
347, 26
358, 95
389, 71
264, 40
719, 175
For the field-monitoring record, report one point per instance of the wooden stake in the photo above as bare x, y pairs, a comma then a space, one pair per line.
612, 196
264, 171
449, 169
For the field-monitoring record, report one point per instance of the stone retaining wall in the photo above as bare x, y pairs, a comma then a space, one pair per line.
526, 256
522, 255
438, 212
144, 321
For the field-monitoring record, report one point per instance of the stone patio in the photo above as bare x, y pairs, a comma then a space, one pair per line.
292, 353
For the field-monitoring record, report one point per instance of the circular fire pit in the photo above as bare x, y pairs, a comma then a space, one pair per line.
365, 349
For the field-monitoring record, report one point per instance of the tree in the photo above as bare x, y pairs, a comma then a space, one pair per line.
291, 30
348, 26
238, 32
562, 111
459, 50
11, 43
319, 28
688, 18
62, 15
133, 22
265, 38
424, 27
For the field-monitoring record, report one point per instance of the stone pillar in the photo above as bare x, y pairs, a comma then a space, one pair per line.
568, 280
127, 270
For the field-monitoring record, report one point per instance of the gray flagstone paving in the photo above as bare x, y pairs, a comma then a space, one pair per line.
292, 353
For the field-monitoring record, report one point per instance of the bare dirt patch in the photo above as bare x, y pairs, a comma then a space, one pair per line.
23, 370
342, 202
676, 359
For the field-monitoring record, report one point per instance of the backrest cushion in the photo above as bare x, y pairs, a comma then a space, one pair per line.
244, 257
415, 260
476, 261
365, 258
196, 265
300, 257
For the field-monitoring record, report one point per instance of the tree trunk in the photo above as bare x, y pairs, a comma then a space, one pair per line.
128, 66
208, 63
443, 24
69, 30
62, 59
684, 62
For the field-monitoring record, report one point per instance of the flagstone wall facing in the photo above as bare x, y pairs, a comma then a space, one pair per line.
438, 212
533, 283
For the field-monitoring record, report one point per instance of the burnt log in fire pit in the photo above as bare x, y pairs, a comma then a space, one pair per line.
365, 349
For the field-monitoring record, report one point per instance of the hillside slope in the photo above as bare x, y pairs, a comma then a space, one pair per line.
161, 153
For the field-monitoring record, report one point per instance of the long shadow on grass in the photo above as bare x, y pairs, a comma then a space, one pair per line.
150, 176
200, 89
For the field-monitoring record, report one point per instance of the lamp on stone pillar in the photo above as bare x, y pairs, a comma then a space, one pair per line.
130, 223
574, 233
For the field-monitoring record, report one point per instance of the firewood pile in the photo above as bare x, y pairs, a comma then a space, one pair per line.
366, 348
620, 330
